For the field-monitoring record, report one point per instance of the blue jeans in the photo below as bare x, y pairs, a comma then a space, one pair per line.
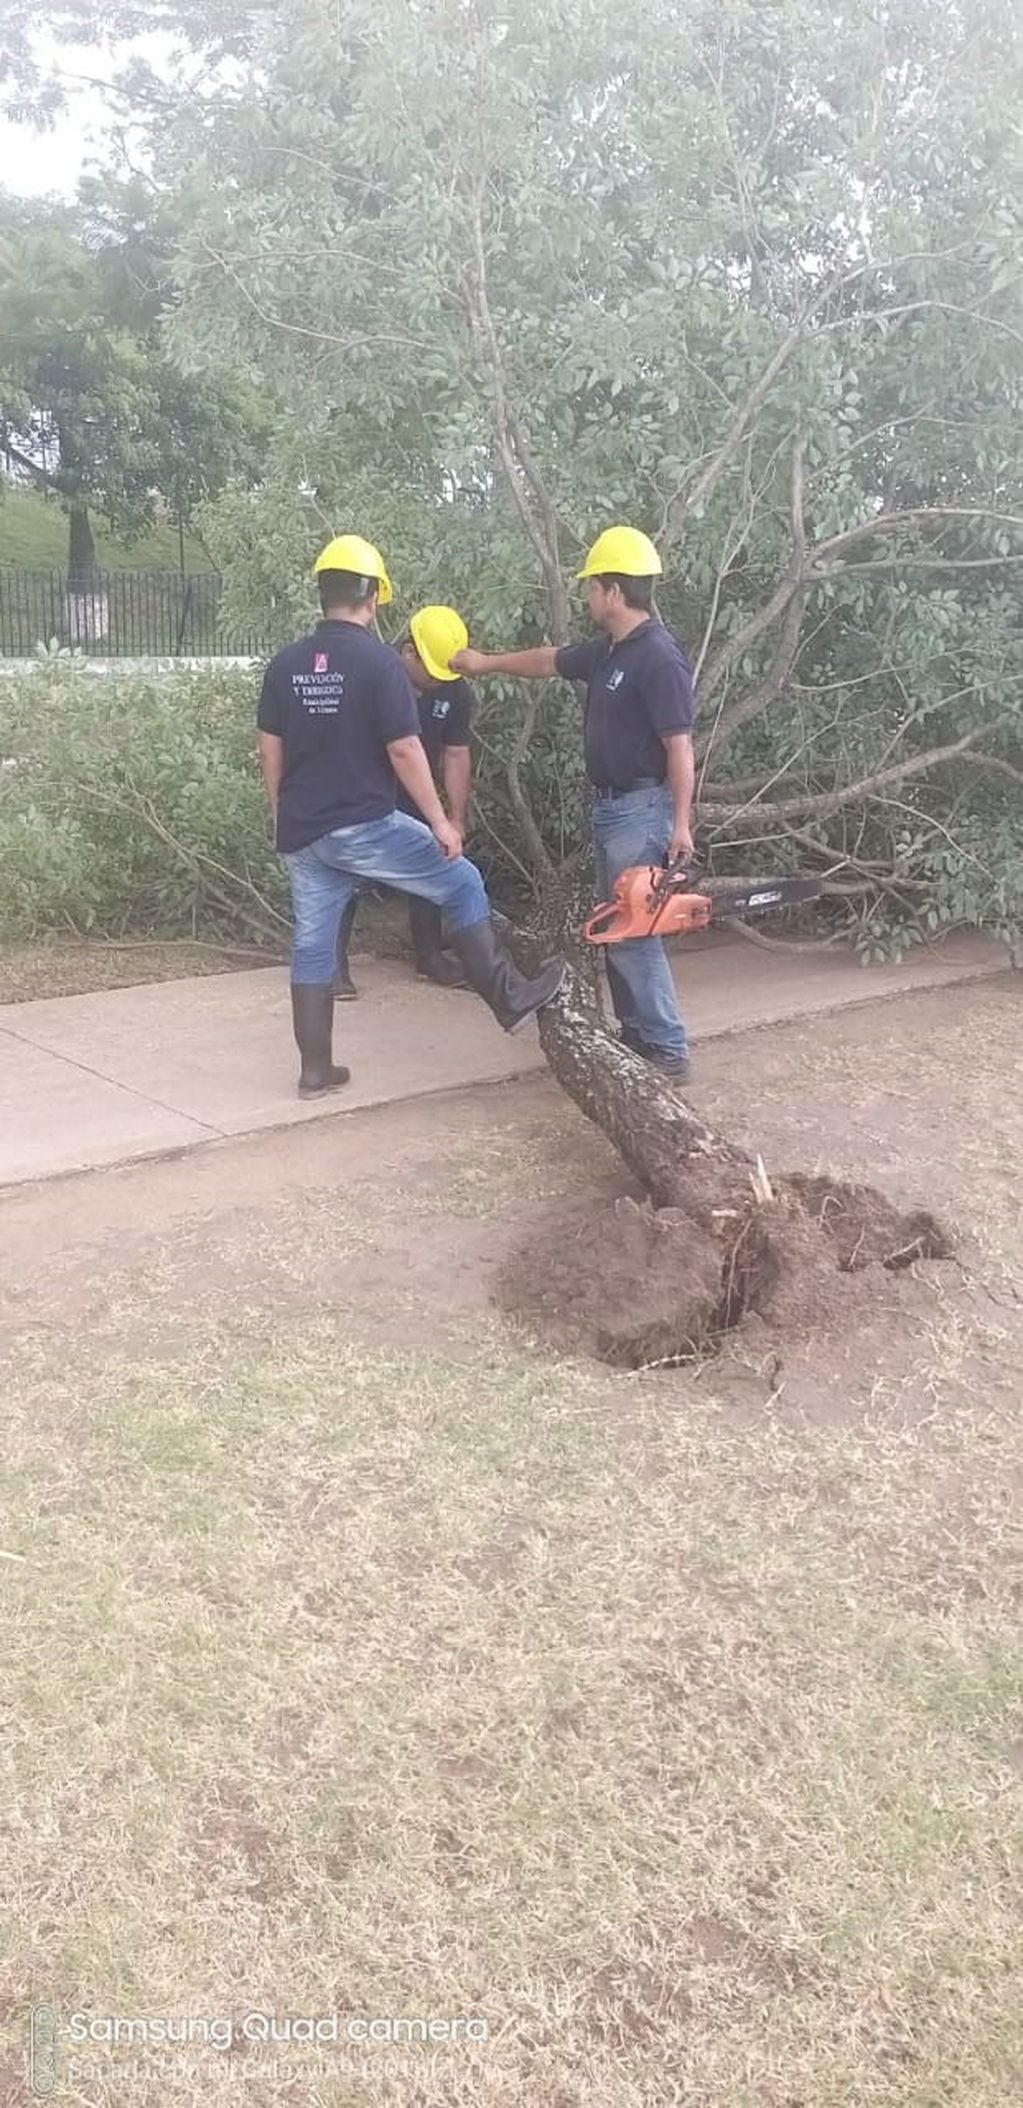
634, 827
397, 851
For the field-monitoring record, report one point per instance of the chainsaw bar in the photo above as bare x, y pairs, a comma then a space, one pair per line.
766, 898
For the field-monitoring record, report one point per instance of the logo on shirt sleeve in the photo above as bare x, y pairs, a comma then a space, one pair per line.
321, 663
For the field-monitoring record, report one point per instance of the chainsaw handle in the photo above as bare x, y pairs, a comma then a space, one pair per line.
681, 866
677, 874
596, 929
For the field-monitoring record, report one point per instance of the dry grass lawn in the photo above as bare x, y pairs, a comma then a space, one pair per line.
77, 965
346, 1672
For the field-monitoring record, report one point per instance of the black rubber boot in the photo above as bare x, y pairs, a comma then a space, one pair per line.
426, 928
345, 990
512, 998
674, 1066
312, 1013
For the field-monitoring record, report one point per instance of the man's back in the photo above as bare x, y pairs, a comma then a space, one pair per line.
336, 699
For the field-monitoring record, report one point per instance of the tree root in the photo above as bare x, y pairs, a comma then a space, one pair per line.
667, 1278
634, 1285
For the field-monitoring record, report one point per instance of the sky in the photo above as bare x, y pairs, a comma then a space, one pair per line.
39, 164
49, 163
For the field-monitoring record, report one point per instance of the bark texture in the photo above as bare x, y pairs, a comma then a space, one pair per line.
659, 1136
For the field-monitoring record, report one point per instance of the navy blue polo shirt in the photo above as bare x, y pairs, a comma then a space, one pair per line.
445, 720
336, 699
637, 692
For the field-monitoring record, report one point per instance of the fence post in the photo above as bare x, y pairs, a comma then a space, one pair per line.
116, 614
186, 602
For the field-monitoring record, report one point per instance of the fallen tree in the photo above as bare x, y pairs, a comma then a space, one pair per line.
547, 320
751, 280
709, 1237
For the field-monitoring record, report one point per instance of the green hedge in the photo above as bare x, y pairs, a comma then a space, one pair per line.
134, 803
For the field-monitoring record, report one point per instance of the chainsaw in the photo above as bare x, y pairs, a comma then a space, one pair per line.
665, 902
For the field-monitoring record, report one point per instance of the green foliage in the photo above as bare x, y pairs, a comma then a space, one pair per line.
751, 278
92, 409
749, 274
134, 803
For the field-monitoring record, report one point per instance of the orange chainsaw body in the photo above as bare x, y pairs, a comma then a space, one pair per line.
644, 905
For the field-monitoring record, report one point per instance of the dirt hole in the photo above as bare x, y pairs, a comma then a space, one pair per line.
635, 1286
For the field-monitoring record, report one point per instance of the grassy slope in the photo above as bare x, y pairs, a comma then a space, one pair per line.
652, 1744
33, 530
383, 1677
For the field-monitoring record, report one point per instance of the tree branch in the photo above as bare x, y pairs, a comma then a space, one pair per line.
693, 499
787, 646
720, 663
542, 860
827, 803
994, 761
516, 455
32, 468
300, 329
892, 522
194, 860
489, 354
738, 534
752, 402
910, 561
757, 394
792, 944
807, 565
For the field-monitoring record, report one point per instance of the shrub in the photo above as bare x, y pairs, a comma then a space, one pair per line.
134, 803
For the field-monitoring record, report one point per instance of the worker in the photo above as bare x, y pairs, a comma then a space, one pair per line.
445, 718
639, 756
338, 730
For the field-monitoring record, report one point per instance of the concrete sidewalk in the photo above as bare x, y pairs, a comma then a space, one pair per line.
88, 1080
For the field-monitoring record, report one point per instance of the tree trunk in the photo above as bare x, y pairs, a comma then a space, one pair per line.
661, 1139
87, 608
81, 553
710, 1243
637, 1281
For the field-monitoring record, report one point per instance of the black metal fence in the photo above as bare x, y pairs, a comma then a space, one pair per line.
117, 614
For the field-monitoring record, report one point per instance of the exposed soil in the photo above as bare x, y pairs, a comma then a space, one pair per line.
635, 1285
415, 1221
710, 1240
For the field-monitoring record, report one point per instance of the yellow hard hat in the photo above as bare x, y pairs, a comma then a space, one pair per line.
437, 634
349, 552
625, 550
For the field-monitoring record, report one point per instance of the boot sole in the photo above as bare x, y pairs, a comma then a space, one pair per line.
346, 995
323, 1090
525, 1019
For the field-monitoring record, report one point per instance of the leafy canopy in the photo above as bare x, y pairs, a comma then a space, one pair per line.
747, 272
92, 407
